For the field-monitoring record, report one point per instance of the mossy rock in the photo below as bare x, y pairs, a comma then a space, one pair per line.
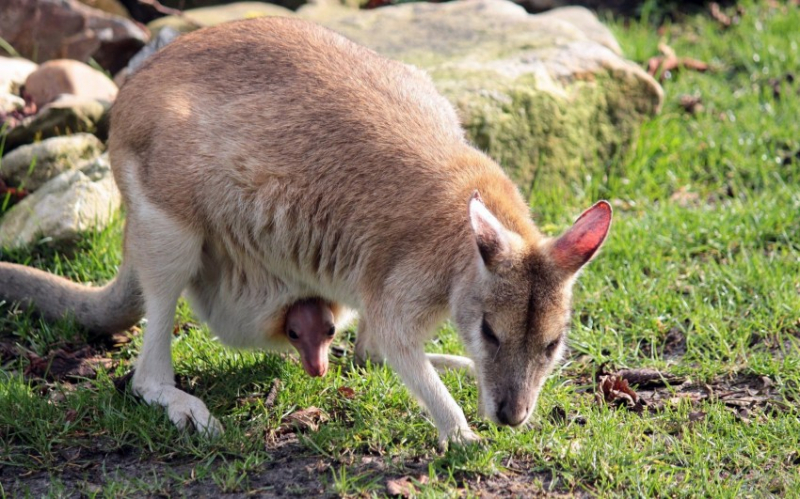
193, 19
549, 95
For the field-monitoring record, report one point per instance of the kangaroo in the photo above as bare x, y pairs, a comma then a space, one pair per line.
308, 325
275, 147
310, 329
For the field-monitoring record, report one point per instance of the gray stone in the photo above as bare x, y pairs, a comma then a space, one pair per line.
109, 6
32, 165
67, 114
67, 29
547, 95
68, 205
209, 16
164, 36
66, 76
13, 72
10, 102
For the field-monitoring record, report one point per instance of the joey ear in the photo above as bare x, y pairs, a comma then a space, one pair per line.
579, 244
491, 237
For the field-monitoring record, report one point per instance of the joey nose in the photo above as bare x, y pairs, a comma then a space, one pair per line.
316, 368
511, 412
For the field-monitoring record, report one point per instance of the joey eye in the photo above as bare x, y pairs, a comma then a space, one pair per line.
293, 335
488, 333
332, 332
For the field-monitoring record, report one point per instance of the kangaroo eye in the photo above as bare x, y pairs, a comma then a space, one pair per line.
488, 333
293, 335
331, 332
551, 347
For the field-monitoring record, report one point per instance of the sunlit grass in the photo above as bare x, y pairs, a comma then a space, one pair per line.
722, 265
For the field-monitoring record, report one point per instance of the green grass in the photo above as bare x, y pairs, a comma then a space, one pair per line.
724, 270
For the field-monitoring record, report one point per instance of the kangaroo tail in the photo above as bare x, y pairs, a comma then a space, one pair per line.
108, 309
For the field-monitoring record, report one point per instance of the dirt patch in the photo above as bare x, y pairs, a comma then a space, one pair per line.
780, 343
672, 346
748, 396
291, 472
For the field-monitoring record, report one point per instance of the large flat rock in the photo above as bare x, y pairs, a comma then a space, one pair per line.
67, 29
548, 95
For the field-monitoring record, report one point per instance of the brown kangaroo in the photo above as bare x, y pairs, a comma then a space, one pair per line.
266, 160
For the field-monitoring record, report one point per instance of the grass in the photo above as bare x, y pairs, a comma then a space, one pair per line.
719, 262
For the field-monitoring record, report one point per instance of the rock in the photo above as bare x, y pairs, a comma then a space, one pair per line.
209, 16
71, 203
66, 76
13, 72
67, 29
109, 6
542, 5
196, 4
164, 36
547, 95
49, 158
10, 102
67, 114
587, 23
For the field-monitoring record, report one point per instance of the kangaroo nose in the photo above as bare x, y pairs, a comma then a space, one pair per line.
512, 413
315, 368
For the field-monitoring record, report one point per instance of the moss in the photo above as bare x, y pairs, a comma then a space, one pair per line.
541, 130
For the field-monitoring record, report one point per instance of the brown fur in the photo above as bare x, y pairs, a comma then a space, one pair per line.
270, 159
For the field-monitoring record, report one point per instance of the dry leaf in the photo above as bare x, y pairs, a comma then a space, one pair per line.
614, 390
691, 104
61, 363
684, 198
15, 194
643, 378
307, 419
697, 416
404, 487
660, 65
722, 18
347, 392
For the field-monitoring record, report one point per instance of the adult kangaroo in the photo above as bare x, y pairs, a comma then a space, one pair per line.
276, 151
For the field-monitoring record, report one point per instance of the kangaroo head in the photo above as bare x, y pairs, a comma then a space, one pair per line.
514, 310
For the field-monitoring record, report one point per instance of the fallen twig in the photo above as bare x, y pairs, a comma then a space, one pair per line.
273, 393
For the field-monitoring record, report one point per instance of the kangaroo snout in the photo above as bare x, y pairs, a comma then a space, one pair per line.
316, 368
512, 411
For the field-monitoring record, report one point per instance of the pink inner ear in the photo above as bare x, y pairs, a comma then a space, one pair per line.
578, 245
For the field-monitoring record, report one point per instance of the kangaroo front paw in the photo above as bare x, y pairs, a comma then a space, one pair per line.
459, 436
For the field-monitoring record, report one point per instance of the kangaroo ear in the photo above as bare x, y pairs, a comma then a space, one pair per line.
493, 243
579, 244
